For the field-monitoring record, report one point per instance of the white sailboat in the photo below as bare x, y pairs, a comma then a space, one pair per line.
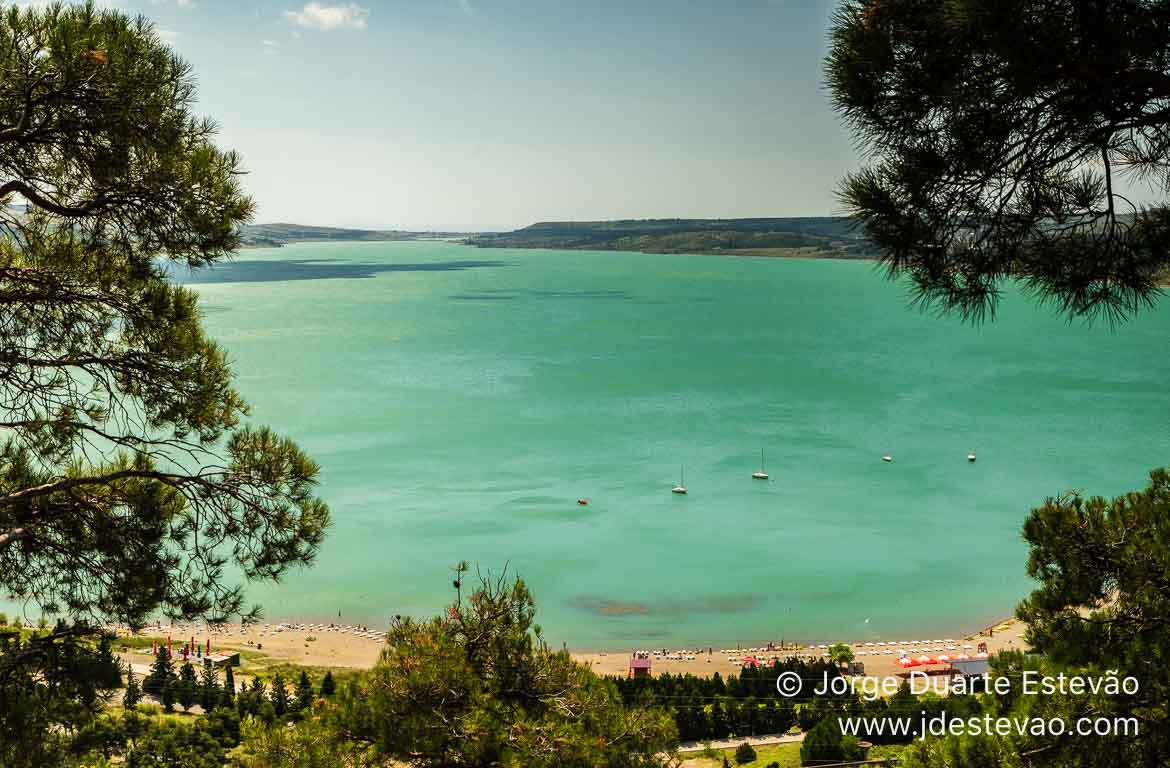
887, 458
971, 456
681, 487
761, 474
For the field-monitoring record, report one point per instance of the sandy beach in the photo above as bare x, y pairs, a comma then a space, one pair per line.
357, 647
880, 659
313, 645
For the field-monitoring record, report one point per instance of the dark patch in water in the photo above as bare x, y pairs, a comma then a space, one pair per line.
580, 294
717, 604
505, 294
254, 271
613, 607
521, 501
641, 634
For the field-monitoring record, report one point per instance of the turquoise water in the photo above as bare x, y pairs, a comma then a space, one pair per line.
460, 401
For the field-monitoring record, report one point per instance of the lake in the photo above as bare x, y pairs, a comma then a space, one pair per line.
460, 401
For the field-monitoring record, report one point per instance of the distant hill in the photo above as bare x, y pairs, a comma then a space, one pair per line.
816, 237
276, 235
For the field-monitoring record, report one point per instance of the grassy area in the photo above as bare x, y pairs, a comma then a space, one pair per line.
268, 668
784, 253
787, 755
252, 663
154, 712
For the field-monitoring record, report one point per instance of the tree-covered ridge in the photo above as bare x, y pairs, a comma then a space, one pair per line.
825, 237
278, 234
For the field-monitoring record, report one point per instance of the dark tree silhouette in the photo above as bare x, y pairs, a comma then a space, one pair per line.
997, 132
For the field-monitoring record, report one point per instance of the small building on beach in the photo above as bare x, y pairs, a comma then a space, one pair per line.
222, 659
639, 665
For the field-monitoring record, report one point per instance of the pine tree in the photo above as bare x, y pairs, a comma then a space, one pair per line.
167, 695
186, 692
719, 727
162, 672
279, 696
328, 687
749, 717
996, 133
133, 693
701, 723
107, 670
826, 744
229, 685
304, 692
129, 484
484, 673
209, 692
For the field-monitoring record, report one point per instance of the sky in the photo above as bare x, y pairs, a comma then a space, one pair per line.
492, 114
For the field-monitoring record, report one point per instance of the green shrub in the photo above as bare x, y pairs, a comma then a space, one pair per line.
826, 744
744, 754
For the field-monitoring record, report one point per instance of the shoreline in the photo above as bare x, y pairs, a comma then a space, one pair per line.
348, 646
878, 657
746, 253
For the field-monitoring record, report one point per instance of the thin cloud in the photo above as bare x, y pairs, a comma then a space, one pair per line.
328, 17
271, 47
467, 7
111, 5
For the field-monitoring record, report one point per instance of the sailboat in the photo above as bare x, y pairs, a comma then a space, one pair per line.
761, 474
971, 456
681, 487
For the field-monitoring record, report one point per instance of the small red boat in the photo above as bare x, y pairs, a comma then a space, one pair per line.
583, 502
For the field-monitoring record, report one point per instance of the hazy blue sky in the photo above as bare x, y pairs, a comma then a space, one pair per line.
478, 114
